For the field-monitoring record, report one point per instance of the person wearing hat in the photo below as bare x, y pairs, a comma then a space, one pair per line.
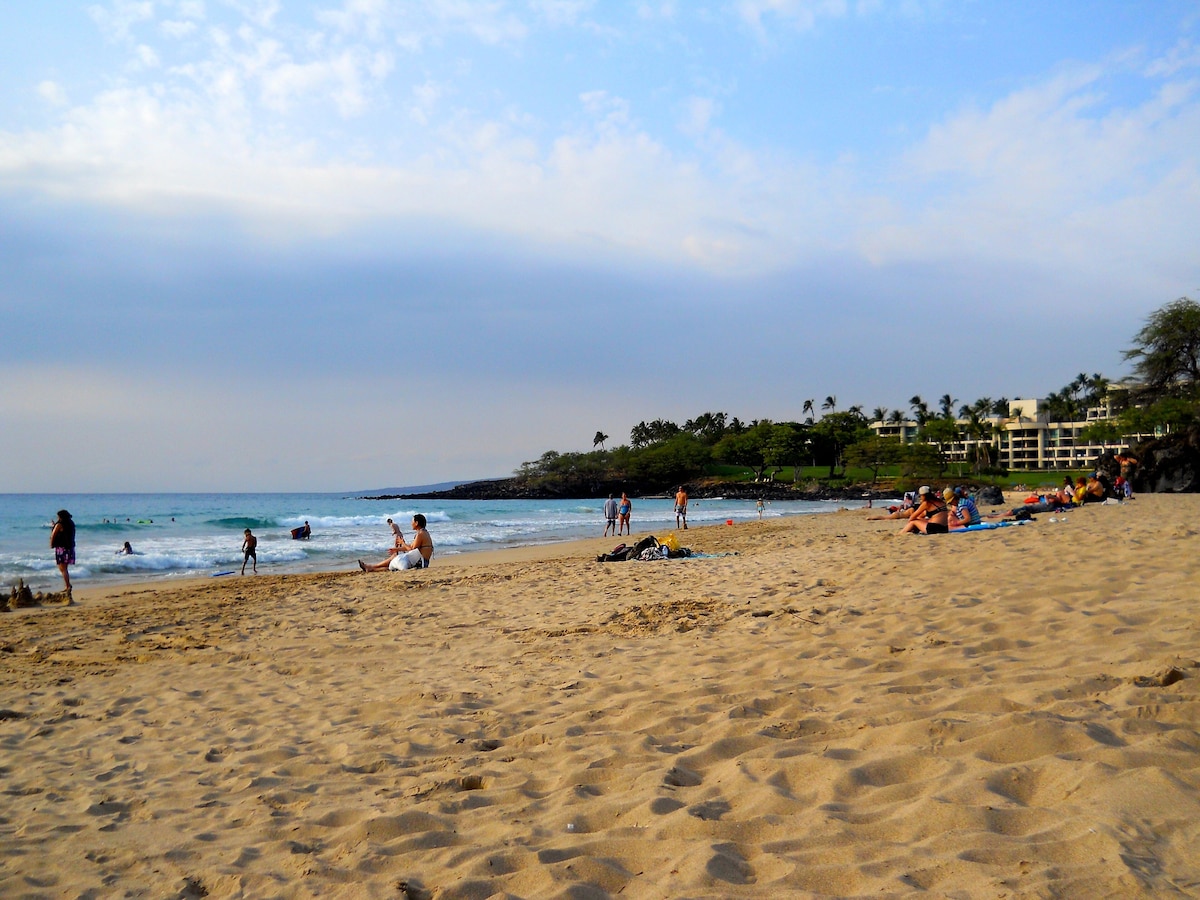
931, 516
967, 510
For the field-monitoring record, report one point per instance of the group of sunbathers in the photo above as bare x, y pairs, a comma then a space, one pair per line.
1081, 491
928, 512
936, 513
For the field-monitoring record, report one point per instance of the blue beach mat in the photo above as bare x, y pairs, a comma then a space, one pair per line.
987, 526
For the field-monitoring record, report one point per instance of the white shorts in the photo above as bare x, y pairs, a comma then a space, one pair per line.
410, 560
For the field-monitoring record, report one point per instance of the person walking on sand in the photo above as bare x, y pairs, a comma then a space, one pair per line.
62, 541
397, 534
681, 500
623, 511
610, 515
414, 555
250, 548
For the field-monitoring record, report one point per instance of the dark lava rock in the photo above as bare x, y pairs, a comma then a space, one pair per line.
1170, 464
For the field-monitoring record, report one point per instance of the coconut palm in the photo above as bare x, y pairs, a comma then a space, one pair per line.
946, 403
920, 408
599, 439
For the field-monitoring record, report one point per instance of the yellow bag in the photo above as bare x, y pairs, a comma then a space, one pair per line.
671, 542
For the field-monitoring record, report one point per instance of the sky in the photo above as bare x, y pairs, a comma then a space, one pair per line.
259, 245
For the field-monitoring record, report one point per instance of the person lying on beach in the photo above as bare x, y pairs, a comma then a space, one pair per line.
406, 555
930, 517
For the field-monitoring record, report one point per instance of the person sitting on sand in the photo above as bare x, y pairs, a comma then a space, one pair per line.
406, 555
963, 511
1093, 491
930, 517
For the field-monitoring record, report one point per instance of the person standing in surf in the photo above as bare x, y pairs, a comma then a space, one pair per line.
62, 541
250, 548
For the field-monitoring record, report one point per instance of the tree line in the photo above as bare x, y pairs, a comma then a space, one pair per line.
1162, 394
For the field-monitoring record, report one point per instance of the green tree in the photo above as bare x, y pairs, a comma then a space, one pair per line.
750, 448
1166, 352
789, 446
941, 433
676, 459
835, 432
873, 453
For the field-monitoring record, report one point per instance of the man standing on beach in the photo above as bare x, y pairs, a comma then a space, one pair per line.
610, 515
681, 499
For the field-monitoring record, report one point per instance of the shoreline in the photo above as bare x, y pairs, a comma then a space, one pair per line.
836, 710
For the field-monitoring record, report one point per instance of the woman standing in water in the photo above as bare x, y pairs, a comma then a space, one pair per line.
62, 540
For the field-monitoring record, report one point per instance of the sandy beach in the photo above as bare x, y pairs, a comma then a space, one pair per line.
835, 711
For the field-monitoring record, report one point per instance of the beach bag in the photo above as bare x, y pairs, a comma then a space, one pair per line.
650, 542
671, 541
619, 553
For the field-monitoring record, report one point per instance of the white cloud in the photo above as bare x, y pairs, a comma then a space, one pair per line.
177, 28
562, 12
146, 57
52, 93
1051, 176
698, 113
802, 14
663, 10
118, 20
1184, 55
260, 12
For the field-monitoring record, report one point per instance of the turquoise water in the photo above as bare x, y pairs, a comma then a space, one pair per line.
185, 535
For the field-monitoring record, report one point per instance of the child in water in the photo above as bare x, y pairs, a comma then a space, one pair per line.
248, 547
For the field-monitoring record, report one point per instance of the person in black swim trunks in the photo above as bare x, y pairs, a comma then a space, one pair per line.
932, 515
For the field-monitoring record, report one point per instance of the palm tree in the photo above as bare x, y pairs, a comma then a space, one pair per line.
947, 406
880, 414
808, 409
920, 408
599, 439
830, 403
896, 418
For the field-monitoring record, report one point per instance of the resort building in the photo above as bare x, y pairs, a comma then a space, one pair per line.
1024, 439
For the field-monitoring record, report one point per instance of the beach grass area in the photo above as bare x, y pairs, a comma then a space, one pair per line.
823, 708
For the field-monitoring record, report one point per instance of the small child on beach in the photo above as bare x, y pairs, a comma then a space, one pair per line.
249, 546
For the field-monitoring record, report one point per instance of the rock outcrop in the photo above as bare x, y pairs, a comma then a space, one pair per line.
1170, 464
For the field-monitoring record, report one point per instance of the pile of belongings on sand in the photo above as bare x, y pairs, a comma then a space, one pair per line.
646, 549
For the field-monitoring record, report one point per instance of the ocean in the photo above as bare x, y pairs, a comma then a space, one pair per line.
177, 536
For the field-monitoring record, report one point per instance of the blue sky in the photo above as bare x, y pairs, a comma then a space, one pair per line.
260, 245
